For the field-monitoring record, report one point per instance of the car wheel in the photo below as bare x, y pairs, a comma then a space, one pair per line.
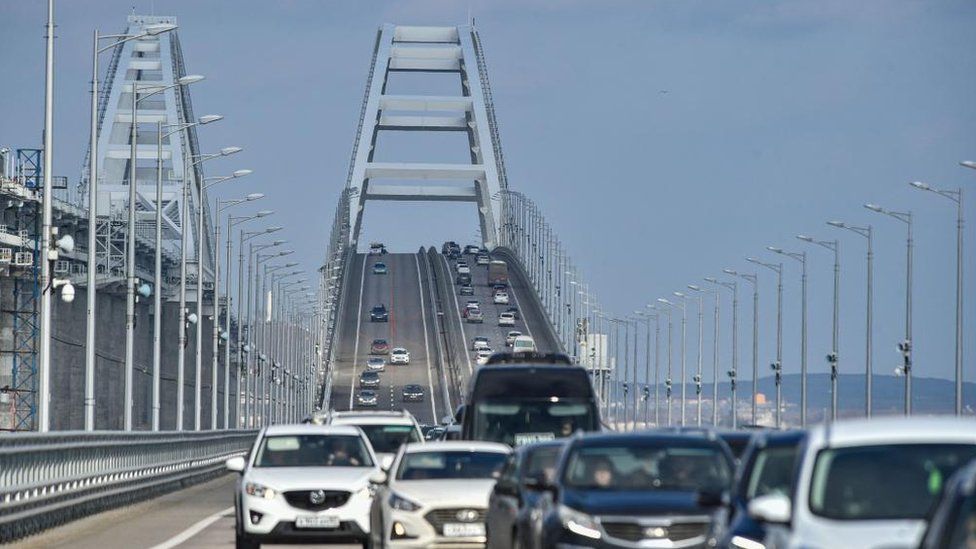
242, 541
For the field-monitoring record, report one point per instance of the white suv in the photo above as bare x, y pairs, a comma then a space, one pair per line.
386, 431
399, 355
304, 483
500, 298
436, 495
867, 483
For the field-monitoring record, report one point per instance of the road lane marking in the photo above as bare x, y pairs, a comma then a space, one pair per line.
423, 316
200, 526
457, 311
359, 323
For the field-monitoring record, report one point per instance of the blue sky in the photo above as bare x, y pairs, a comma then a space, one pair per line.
778, 116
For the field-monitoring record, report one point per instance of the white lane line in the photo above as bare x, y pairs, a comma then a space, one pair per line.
457, 311
200, 526
359, 322
423, 316
525, 321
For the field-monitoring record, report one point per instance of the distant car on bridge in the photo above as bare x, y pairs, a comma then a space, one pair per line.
375, 364
376, 248
466, 289
510, 337
523, 344
480, 342
483, 259
463, 270
463, 279
369, 379
475, 316
399, 355
379, 347
498, 274
366, 397
514, 311
413, 393
506, 319
379, 268
379, 314
471, 249
500, 298
481, 356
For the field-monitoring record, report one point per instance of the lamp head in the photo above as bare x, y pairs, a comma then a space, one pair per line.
774, 249
802, 237
189, 79
292, 264
968, 164
227, 151
694, 287
730, 272
254, 196
838, 224
264, 213
920, 185
208, 118
874, 208
711, 279
241, 173
274, 230
662, 300
679, 294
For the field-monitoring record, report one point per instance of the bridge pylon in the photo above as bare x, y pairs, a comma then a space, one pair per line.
428, 50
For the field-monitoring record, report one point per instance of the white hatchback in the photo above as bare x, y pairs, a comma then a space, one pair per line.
500, 298
304, 483
399, 355
867, 483
436, 494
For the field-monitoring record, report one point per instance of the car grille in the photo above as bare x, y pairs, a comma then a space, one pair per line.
438, 517
331, 499
634, 532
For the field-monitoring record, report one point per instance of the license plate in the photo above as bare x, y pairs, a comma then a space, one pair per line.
529, 438
316, 522
463, 530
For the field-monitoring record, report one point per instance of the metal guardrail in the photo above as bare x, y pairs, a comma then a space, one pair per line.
47, 479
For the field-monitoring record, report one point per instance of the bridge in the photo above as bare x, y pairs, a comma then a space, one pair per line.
178, 346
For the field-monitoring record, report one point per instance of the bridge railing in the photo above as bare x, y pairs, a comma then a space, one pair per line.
47, 479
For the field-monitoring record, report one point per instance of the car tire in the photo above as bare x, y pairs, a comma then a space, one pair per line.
242, 541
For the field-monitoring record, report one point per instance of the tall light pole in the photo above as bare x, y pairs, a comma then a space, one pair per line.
258, 348
221, 206
130, 262
44, 353
776, 367
189, 163
233, 221
834, 356
118, 39
906, 346
250, 389
753, 279
955, 196
668, 379
683, 305
647, 375
197, 405
698, 371
801, 257
867, 233
733, 373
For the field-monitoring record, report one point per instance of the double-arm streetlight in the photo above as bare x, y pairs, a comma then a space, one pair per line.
683, 306
906, 346
246, 350
868, 234
734, 288
753, 279
117, 40
800, 257
956, 196
834, 356
215, 344
130, 263
657, 370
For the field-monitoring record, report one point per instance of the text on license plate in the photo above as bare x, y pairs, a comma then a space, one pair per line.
316, 522
462, 530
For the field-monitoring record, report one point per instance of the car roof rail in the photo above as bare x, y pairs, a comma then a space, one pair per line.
529, 357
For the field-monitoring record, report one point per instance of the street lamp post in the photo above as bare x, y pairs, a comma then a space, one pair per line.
833, 356
801, 257
955, 196
753, 279
684, 346
734, 287
118, 39
867, 233
906, 346
699, 374
777, 366
130, 262
255, 352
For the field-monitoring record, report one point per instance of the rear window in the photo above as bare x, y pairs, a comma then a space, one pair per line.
387, 439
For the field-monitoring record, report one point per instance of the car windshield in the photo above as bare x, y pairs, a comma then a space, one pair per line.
542, 461
450, 465
899, 481
633, 467
312, 451
772, 472
525, 421
379, 342
387, 439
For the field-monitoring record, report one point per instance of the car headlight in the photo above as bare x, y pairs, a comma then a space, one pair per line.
579, 523
403, 504
259, 490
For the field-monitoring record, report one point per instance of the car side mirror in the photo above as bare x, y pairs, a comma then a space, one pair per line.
386, 462
379, 477
773, 508
235, 464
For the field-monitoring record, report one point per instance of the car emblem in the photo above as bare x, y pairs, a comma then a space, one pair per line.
467, 515
316, 497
